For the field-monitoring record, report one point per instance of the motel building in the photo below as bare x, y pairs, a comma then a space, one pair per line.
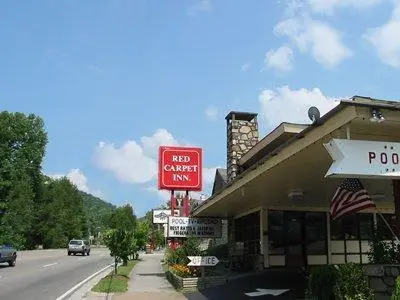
275, 192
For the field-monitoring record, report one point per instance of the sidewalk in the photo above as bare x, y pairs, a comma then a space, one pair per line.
148, 281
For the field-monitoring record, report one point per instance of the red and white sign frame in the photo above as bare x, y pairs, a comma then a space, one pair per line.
196, 178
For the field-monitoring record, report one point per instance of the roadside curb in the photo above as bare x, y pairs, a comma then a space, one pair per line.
80, 284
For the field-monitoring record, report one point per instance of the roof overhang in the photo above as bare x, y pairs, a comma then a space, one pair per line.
344, 113
273, 140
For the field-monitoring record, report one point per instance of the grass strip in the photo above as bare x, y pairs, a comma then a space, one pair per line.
115, 283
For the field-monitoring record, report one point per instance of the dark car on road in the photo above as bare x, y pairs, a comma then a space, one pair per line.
8, 254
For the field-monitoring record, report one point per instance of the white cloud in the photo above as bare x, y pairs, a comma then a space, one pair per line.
245, 67
80, 180
200, 6
211, 113
280, 59
286, 105
323, 41
386, 39
138, 163
329, 6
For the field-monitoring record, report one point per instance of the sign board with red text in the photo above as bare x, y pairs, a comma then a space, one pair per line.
363, 159
180, 168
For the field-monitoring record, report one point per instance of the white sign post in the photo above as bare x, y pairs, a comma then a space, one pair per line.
363, 159
203, 261
195, 227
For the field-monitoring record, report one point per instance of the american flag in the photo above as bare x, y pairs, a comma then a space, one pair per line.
350, 197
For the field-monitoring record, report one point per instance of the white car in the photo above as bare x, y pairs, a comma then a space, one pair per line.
78, 246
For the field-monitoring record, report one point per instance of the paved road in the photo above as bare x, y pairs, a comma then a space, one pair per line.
47, 274
272, 280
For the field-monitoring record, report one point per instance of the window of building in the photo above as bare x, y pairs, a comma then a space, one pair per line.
337, 232
383, 230
366, 226
353, 227
350, 227
315, 225
247, 230
276, 232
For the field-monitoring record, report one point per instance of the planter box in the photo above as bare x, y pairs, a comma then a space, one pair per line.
382, 279
192, 283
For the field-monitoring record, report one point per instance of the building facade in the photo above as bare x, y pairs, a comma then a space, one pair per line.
276, 196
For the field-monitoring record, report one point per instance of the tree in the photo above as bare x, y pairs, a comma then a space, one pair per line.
62, 214
22, 147
119, 242
120, 238
142, 233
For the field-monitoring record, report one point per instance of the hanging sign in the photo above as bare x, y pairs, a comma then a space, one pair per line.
363, 159
197, 227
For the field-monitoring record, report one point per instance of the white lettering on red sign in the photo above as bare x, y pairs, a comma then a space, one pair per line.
180, 168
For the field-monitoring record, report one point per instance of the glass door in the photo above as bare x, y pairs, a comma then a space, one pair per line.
295, 239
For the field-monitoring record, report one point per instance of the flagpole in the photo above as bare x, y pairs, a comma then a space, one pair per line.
387, 224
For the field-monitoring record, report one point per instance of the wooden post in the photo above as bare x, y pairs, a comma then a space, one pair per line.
396, 196
203, 277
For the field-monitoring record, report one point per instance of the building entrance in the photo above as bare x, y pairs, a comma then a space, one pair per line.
295, 239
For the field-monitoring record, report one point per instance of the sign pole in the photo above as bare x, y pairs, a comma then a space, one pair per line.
203, 276
172, 202
186, 205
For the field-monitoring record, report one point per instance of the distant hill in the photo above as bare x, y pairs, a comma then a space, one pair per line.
98, 212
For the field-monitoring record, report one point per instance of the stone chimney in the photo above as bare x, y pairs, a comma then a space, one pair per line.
242, 135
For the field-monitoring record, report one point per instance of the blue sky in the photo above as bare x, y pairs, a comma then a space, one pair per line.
115, 79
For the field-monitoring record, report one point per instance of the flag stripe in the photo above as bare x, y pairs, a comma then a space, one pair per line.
349, 198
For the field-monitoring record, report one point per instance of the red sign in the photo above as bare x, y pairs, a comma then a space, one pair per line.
180, 168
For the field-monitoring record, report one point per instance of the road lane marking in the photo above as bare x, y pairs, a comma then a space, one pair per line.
74, 288
49, 265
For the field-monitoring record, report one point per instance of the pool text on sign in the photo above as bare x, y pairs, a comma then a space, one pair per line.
199, 227
363, 159
383, 158
180, 168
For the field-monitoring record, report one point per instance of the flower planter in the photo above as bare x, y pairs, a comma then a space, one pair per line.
192, 283
382, 279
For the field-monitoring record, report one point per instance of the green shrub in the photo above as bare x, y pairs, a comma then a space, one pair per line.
352, 283
190, 247
396, 292
382, 252
321, 283
345, 282
219, 251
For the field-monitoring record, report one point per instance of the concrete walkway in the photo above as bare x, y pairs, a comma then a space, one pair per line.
148, 281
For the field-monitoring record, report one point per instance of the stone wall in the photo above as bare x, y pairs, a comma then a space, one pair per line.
382, 279
242, 135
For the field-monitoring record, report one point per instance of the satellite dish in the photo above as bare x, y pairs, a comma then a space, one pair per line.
313, 114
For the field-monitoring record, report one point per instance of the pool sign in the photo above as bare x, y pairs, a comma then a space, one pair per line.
203, 261
180, 168
363, 159
196, 227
